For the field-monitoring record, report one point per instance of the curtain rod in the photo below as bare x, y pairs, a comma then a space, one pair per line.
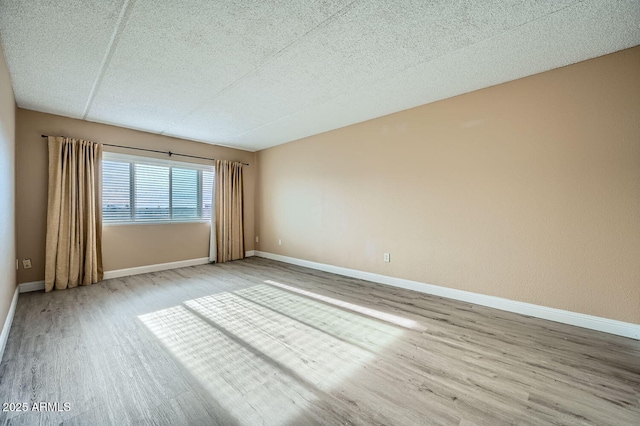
169, 153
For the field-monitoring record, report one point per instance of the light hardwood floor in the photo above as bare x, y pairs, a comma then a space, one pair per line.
260, 342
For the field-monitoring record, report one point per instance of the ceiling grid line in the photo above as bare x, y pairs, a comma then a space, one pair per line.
113, 42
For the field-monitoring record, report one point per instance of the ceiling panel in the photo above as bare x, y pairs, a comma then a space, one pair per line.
254, 74
173, 56
539, 46
353, 52
55, 50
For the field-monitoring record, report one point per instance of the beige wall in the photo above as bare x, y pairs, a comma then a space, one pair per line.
528, 190
124, 246
7, 191
127, 246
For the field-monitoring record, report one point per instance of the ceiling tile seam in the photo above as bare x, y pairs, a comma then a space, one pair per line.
125, 11
268, 60
388, 77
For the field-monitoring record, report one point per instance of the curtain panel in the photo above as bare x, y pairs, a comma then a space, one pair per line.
229, 229
74, 214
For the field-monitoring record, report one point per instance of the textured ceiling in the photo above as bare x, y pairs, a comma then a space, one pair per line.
257, 73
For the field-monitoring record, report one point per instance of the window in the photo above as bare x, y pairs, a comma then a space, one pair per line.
139, 189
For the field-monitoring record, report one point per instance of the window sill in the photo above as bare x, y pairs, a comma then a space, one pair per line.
168, 222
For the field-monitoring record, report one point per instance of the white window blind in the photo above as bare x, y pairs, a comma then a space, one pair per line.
139, 189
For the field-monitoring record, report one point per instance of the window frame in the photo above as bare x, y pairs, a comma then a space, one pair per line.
132, 160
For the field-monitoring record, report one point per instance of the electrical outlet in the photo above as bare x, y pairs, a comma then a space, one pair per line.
279, 242
26, 263
387, 257
257, 239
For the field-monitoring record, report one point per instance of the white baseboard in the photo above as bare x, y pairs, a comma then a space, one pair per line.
7, 323
31, 286
606, 325
118, 273
249, 253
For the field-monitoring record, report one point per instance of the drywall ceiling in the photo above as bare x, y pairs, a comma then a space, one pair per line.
257, 73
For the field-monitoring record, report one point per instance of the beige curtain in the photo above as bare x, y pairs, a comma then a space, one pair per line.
228, 211
74, 214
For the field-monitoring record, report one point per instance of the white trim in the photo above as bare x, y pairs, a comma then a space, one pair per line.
32, 286
118, 273
7, 323
157, 222
592, 322
249, 253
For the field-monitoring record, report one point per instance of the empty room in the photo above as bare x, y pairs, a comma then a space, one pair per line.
345, 212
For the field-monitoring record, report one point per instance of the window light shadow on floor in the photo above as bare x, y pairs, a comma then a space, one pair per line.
263, 353
394, 319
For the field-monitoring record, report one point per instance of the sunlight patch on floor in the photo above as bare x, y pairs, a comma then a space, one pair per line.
384, 316
315, 356
356, 329
251, 389
263, 352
